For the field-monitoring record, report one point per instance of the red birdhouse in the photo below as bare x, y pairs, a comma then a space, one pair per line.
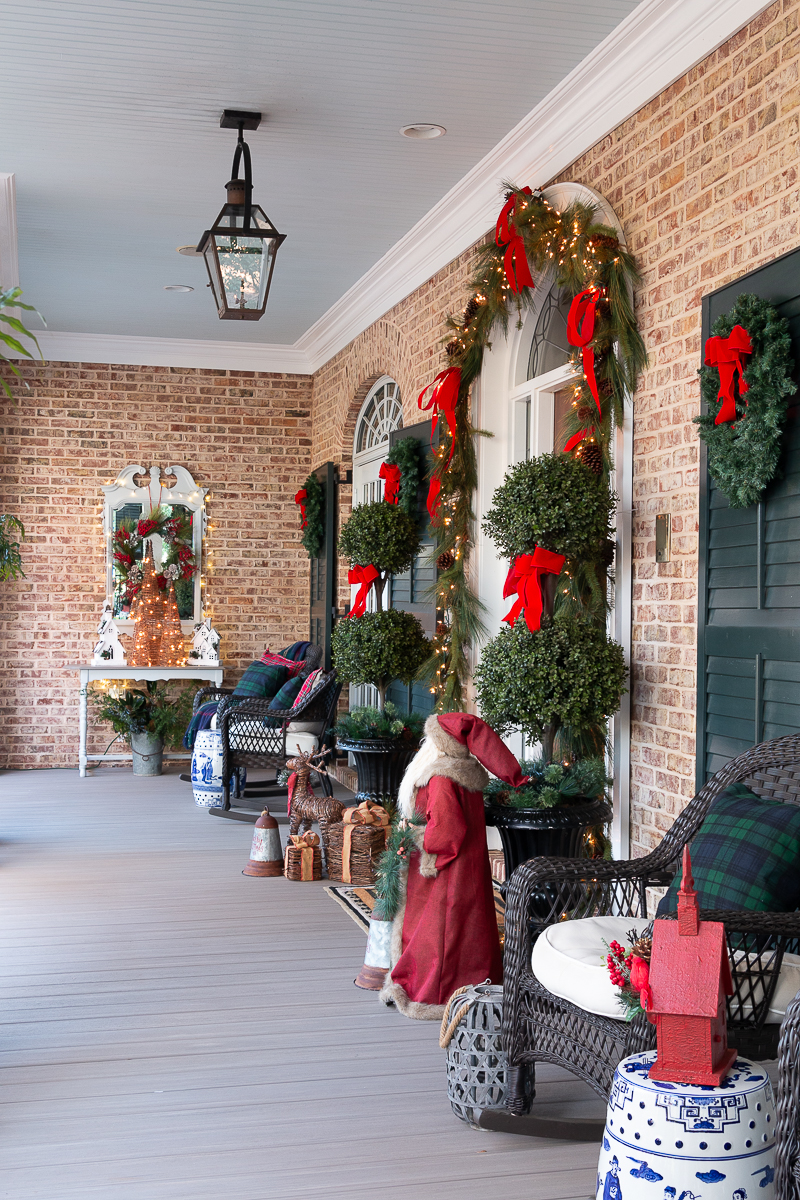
690, 977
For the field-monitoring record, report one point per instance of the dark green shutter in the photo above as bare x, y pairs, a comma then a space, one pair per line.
410, 590
749, 596
323, 570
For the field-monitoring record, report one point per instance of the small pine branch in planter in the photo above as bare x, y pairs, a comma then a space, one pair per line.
552, 783
366, 722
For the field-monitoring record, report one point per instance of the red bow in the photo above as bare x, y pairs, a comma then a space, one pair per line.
300, 498
577, 438
580, 331
391, 474
524, 581
726, 355
515, 262
364, 576
443, 402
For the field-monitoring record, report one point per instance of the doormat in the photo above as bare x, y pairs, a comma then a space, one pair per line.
358, 903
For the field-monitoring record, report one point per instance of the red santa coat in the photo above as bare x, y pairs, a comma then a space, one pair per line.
445, 934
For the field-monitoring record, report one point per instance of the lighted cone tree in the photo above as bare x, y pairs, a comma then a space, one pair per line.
172, 653
149, 620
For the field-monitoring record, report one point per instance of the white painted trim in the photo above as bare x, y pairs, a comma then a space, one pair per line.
173, 352
656, 44
9, 258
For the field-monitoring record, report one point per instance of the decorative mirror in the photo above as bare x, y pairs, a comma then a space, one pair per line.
177, 503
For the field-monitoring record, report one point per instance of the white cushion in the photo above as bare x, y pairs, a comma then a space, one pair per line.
304, 742
569, 960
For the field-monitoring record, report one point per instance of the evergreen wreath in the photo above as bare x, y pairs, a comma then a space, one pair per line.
314, 532
743, 455
574, 251
407, 455
179, 560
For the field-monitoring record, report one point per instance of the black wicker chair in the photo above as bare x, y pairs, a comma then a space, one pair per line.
541, 1027
248, 742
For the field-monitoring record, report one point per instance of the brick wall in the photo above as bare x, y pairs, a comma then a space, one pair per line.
244, 435
704, 182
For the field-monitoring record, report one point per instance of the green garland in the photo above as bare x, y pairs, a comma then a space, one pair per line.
576, 252
314, 532
407, 455
743, 455
400, 843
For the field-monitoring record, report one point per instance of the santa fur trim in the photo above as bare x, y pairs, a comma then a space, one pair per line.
393, 993
440, 754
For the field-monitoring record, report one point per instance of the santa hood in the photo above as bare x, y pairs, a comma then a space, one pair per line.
453, 742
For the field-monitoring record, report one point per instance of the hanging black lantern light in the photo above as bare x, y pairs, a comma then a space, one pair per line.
240, 247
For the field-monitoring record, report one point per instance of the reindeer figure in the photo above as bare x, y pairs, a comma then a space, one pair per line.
305, 806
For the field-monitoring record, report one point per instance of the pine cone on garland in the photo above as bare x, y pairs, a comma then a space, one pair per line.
470, 310
592, 458
445, 560
452, 348
642, 948
442, 629
603, 242
587, 415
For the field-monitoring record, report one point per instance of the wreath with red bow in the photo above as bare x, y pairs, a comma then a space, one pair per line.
179, 561
745, 384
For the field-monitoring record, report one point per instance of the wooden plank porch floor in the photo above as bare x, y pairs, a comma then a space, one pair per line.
170, 1028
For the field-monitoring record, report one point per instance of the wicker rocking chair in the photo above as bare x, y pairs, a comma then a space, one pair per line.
541, 1027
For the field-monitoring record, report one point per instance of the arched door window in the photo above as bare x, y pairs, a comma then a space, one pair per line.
381, 413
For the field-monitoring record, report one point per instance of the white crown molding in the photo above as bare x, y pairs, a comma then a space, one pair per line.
656, 44
9, 258
173, 352
649, 50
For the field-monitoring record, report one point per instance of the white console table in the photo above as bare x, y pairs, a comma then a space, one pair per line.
209, 672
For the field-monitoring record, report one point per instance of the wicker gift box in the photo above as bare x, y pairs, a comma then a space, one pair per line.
355, 844
303, 859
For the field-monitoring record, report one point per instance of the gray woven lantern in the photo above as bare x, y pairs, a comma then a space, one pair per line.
476, 1063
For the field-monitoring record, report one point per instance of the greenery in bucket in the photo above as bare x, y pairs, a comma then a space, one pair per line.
552, 783
150, 711
364, 723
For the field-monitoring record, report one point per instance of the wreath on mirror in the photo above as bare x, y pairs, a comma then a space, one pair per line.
179, 562
745, 384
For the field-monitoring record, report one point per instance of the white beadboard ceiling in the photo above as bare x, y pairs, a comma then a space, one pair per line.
111, 128
110, 133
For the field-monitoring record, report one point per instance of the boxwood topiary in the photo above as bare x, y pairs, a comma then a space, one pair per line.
567, 674
552, 501
379, 647
381, 534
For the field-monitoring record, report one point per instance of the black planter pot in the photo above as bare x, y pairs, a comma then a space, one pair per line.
547, 832
380, 765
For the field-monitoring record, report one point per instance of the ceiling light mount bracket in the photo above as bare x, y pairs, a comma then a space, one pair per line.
236, 118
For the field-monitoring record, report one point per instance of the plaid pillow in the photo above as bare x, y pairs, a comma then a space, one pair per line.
746, 855
269, 659
262, 680
286, 697
315, 681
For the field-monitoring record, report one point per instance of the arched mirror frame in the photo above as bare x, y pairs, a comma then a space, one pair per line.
185, 491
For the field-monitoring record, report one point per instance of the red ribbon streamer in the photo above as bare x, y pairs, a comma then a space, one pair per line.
291, 783
524, 580
444, 395
300, 498
726, 355
577, 438
580, 331
515, 261
364, 577
391, 475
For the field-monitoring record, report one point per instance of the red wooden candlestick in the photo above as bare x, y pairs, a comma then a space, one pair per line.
690, 977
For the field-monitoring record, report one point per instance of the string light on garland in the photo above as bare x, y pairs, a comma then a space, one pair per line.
579, 253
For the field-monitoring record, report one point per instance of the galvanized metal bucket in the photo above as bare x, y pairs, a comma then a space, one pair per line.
148, 753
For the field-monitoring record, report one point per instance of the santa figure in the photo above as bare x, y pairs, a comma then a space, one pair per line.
444, 935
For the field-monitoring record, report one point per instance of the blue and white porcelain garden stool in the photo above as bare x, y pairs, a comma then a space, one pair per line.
207, 770
682, 1141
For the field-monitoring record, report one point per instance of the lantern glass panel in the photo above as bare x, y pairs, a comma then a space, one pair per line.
244, 268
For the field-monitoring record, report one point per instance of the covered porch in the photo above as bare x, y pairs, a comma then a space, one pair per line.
172, 1027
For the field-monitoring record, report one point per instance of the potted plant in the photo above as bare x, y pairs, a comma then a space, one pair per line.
11, 528
377, 647
555, 675
146, 720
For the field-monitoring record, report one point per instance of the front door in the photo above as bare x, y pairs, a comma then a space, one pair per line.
749, 602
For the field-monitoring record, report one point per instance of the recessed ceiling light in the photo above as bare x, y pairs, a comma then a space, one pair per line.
191, 251
177, 287
422, 130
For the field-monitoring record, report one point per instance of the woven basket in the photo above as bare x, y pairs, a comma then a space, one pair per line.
367, 843
293, 861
